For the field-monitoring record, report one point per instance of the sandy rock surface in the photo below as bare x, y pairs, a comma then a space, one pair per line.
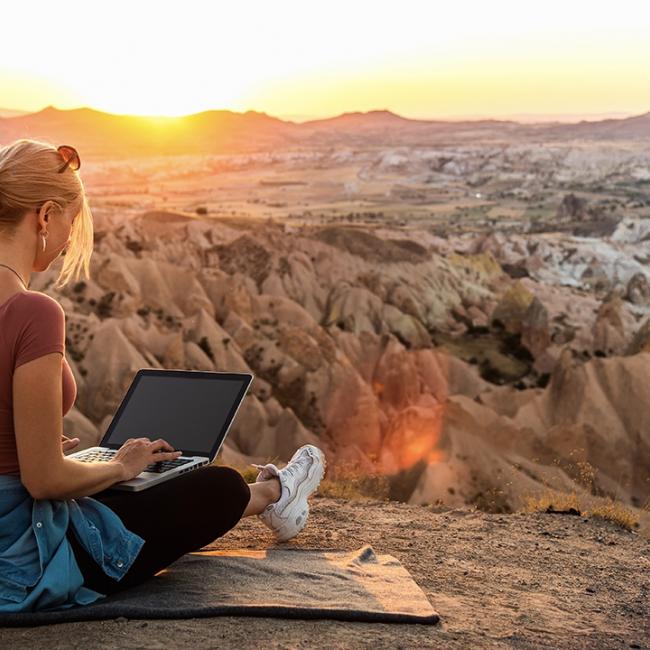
497, 581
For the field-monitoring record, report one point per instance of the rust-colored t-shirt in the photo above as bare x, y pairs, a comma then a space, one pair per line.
32, 324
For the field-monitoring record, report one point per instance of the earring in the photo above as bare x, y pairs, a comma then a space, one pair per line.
43, 236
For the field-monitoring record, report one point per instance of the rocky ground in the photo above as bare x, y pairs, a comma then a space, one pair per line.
523, 580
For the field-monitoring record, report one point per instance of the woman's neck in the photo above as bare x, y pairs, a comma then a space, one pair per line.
19, 259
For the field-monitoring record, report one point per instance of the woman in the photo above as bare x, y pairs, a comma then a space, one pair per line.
60, 547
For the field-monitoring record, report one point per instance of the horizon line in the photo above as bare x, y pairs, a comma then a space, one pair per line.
522, 117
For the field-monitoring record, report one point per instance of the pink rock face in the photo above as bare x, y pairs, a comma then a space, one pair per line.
351, 412
433, 371
414, 435
638, 289
477, 317
396, 380
605, 398
535, 331
608, 337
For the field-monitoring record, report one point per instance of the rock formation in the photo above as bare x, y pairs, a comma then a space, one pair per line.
394, 355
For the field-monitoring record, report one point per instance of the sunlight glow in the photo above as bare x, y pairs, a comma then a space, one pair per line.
419, 59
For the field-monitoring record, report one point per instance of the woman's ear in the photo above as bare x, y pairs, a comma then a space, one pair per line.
40, 212
44, 212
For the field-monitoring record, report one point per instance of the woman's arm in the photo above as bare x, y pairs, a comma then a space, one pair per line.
38, 424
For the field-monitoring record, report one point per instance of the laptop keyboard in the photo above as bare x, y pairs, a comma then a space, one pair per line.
92, 456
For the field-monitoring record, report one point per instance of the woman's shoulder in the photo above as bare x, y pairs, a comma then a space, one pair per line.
36, 303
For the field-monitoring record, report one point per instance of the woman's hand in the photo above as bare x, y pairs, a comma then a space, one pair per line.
137, 453
68, 444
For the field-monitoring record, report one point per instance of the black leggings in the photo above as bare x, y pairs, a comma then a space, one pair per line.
175, 517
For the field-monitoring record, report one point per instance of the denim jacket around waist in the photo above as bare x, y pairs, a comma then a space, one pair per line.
38, 570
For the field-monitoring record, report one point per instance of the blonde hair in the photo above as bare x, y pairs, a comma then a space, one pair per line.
28, 178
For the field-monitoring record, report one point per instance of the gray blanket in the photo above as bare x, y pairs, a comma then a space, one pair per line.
286, 583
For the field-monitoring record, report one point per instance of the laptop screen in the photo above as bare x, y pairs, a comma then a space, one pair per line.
192, 410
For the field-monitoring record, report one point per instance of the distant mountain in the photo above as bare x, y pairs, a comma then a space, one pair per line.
11, 112
107, 134
219, 131
379, 119
559, 118
629, 128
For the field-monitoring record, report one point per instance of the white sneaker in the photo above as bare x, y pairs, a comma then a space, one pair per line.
301, 476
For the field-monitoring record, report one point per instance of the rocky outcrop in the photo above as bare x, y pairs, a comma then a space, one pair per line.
638, 289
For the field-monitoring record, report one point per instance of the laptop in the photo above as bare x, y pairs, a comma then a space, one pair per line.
191, 409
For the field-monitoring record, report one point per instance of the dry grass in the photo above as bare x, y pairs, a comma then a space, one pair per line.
551, 501
344, 483
583, 505
249, 473
356, 487
615, 511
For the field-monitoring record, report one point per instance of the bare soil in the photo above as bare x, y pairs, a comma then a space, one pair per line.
524, 580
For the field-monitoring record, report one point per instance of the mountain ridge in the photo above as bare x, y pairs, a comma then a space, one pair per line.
223, 131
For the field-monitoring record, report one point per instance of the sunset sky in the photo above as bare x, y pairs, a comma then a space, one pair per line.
298, 60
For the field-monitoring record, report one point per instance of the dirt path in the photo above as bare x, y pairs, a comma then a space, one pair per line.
525, 581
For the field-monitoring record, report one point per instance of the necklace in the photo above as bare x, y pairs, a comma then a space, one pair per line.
8, 267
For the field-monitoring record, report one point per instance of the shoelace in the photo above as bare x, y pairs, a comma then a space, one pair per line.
298, 464
262, 467
291, 468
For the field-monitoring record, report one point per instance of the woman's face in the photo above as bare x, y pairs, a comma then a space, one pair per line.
58, 227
